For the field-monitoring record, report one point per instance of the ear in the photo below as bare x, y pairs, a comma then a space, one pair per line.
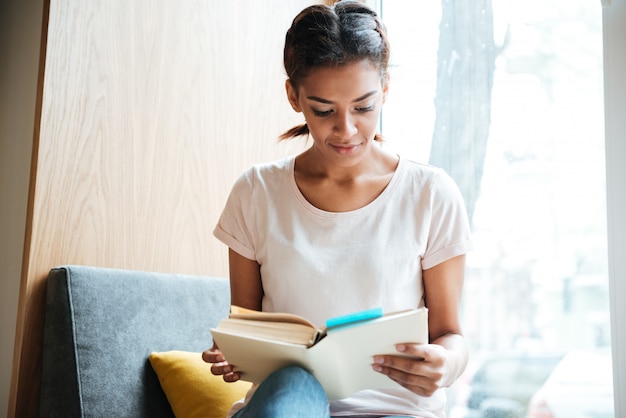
385, 83
292, 96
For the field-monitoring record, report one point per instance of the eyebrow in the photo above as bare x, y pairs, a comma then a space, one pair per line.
358, 99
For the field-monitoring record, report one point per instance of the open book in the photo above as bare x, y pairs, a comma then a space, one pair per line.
340, 355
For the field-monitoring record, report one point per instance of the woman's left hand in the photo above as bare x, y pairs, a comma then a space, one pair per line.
421, 368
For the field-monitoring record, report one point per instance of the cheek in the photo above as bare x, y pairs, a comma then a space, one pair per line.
320, 133
319, 126
370, 124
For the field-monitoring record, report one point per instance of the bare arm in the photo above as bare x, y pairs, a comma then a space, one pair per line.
246, 291
439, 363
443, 288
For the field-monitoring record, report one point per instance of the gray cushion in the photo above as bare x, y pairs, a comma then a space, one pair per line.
101, 325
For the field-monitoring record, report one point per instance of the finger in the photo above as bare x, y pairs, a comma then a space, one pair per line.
213, 355
419, 351
410, 371
416, 383
429, 353
221, 368
231, 377
431, 369
411, 365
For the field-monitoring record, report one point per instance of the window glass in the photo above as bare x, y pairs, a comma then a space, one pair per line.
507, 97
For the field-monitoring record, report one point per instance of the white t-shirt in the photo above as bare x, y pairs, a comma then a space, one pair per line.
320, 264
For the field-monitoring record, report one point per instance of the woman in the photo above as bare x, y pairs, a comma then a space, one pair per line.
347, 226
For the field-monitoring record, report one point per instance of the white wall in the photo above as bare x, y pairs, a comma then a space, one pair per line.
20, 32
614, 21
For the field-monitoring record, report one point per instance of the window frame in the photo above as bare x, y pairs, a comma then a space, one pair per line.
614, 31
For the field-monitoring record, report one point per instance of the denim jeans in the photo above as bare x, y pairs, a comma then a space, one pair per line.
291, 392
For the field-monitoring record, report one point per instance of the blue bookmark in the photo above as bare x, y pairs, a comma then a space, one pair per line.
341, 321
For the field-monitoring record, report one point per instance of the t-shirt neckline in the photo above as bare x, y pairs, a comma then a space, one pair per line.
379, 200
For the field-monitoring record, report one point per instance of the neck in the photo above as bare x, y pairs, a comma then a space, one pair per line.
377, 161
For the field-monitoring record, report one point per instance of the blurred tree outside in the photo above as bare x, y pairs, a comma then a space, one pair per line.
465, 69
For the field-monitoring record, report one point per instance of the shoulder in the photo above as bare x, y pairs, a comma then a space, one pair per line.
422, 169
265, 173
430, 185
426, 175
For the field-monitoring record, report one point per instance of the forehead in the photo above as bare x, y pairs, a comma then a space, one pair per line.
347, 81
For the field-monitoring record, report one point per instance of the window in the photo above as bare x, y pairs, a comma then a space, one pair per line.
507, 96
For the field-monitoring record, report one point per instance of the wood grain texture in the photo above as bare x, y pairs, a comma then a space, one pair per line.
149, 111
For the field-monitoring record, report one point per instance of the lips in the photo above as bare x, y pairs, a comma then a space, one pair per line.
345, 149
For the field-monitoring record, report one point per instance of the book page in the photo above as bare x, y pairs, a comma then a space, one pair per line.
342, 361
256, 358
289, 332
243, 313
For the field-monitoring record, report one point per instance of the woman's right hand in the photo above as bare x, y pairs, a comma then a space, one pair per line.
219, 364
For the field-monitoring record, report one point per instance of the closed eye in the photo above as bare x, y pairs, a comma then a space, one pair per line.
365, 109
322, 113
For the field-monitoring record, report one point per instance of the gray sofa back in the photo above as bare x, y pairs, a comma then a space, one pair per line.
101, 325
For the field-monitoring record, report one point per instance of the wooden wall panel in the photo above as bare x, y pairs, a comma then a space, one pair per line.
149, 111
20, 39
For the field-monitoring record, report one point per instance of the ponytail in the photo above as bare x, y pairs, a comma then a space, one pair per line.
299, 130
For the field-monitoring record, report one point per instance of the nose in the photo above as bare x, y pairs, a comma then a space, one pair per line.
345, 126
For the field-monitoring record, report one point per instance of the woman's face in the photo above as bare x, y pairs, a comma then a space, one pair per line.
341, 106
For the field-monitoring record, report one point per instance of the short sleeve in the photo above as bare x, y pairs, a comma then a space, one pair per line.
236, 224
449, 233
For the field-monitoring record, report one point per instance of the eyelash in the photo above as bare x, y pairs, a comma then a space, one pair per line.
322, 114
329, 112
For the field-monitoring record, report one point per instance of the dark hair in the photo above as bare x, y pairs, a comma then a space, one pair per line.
328, 36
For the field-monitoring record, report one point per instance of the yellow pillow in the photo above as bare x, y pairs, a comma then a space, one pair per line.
191, 389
